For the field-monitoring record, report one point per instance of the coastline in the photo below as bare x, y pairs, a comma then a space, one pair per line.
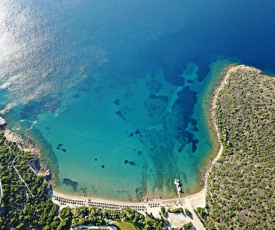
218, 70
211, 122
243, 98
36, 151
199, 199
188, 201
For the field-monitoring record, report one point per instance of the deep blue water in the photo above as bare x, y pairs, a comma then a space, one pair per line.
120, 83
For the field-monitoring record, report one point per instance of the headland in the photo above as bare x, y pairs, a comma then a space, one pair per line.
241, 184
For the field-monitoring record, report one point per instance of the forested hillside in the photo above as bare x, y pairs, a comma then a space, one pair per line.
241, 185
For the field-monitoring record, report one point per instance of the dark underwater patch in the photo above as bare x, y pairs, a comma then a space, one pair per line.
153, 86
161, 142
120, 114
156, 105
137, 132
75, 95
71, 183
117, 102
133, 163
194, 145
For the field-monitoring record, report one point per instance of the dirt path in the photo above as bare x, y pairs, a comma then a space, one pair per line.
12, 164
1, 190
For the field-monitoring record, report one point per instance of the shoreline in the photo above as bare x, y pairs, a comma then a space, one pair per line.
218, 70
188, 201
153, 206
199, 199
34, 149
210, 115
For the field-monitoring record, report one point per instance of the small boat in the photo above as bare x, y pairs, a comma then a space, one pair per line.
178, 185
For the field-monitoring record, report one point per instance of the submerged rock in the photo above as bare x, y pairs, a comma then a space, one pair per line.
117, 102
133, 163
120, 114
68, 181
137, 132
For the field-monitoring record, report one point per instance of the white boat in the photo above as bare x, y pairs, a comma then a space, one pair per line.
177, 183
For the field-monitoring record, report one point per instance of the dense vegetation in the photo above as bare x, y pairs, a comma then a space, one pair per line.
241, 185
25, 204
21, 208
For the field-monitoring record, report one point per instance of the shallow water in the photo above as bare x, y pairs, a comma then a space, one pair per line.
115, 89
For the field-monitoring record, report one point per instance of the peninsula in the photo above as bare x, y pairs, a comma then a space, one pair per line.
240, 192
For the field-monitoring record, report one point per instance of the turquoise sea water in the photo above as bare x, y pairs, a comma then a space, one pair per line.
114, 90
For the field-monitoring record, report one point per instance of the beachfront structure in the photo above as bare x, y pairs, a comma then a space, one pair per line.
177, 183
